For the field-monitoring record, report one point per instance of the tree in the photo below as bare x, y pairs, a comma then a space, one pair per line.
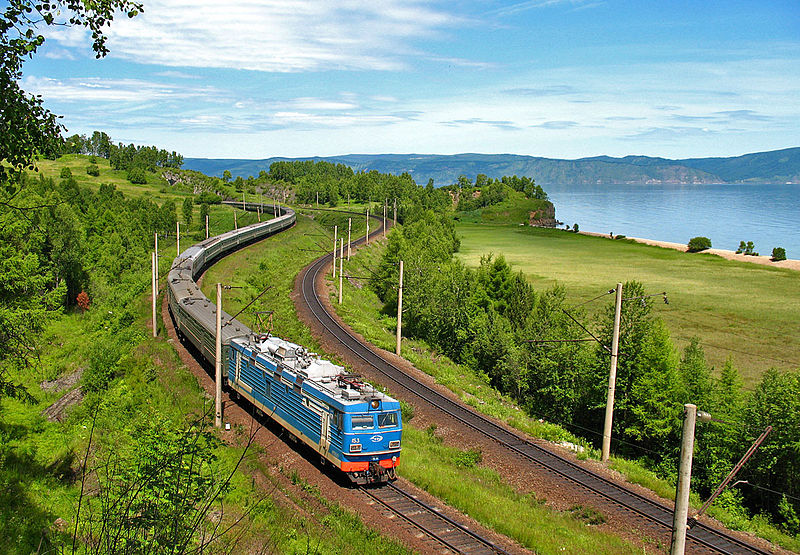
203, 213
137, 175
188, 208
83, 301
226, 176
697, 244
26, 127
575, 228
778, 253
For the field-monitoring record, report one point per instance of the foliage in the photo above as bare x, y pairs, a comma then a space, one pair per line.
187, 210
778, 254
83, 301
697, 244
93, 170
26, 127
136, 174
207, 197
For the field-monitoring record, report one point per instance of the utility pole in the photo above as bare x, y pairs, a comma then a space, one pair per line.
690, 416
154, 291
218, 363
258, 212
399, 311
156, 249
349, 226
612, 377
317, 199
235, 223
178, 238
206, 226
335, 232
274, 208
395, 211
384, 219
341, 267
244, 205
367, 239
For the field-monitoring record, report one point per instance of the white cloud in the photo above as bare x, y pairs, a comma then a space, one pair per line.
273, 35
96, 89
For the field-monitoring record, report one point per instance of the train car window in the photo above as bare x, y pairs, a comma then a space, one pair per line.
362, 422
387, 419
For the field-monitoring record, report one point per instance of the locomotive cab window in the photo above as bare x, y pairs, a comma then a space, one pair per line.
387, 420
362, 422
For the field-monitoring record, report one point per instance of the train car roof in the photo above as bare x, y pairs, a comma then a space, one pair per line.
331, 381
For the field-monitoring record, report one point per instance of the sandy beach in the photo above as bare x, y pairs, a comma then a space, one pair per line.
730, 255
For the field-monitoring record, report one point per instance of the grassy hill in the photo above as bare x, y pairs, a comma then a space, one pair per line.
739, 310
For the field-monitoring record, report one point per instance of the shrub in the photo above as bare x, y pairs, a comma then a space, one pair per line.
778, 253
575, 228
93, 170
742, 247
103, 360
136, 174
697, 244
66, 173
207, 197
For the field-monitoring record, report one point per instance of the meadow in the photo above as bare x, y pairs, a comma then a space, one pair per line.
739, 310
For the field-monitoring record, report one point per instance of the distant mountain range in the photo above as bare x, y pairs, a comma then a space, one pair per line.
777, 166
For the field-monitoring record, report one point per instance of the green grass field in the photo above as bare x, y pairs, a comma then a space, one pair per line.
739, 310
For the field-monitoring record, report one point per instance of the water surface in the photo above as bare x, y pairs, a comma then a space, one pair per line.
768, 215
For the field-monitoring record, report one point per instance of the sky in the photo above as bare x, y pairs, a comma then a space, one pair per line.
552, 78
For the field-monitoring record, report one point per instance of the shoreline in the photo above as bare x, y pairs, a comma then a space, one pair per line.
791, 264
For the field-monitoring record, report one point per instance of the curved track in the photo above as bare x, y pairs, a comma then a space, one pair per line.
645, 510
454, 536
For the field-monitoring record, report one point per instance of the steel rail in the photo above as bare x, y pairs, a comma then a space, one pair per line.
650, 510
475, 540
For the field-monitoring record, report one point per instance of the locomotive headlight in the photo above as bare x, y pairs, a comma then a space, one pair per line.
375, 404
394, 459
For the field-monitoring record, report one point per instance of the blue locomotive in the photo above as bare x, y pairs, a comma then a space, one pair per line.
348, 422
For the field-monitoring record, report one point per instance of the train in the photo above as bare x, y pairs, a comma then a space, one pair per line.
351, 424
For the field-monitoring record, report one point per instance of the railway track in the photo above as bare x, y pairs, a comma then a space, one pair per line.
455, 537
650, 513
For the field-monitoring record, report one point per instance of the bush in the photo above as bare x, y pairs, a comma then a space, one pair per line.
207, 197
778, 253
697, 244
575, 228
137, 175
93, 170
103, 360
66, 173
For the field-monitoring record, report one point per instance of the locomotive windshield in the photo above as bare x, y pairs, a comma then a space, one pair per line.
387, 420
362, 422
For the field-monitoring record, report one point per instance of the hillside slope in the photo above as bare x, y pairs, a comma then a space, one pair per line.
777, 166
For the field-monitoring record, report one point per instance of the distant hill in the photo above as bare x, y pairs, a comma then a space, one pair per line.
778, 166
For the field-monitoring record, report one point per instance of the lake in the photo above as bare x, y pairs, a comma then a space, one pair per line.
768, 215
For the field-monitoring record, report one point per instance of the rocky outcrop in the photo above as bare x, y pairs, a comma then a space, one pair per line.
543, 217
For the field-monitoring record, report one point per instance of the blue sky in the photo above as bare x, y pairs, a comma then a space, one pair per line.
555, 78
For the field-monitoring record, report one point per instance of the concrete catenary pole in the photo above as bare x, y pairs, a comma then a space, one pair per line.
177, 238
206, 226
367, 239
156, 249
384, 220
258, 212
235, 222
335, 242
244, 205
154, 291
399, 311
341, 267
349, 227
395, 211
684, 480
218, 363
612, 377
